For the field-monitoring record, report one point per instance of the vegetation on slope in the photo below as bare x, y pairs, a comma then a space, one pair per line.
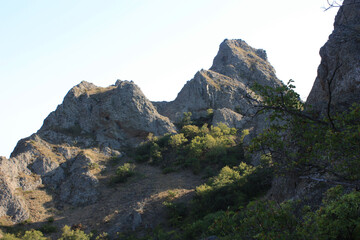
231, 204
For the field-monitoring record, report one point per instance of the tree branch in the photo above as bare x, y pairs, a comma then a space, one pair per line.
329, 82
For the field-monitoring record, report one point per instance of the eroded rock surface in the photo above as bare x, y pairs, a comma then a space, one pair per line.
114, 117
338, 79
65, 157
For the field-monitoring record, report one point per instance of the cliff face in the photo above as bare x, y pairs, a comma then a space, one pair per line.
336, 87
338, 80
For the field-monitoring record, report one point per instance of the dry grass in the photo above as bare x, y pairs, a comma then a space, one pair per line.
39, 204
143, 193
5, 221
46, 151
100, 90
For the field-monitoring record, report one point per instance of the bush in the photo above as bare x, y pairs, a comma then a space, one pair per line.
231, 188
190, 131
28, 235
123, 173
68, 234
338, 218
195, 148
177, 140
47, 228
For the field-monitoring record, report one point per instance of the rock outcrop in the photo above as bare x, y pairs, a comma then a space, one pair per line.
10, 203
114, 117
337, 86
226, 88
93, 123
88, 127
338, 80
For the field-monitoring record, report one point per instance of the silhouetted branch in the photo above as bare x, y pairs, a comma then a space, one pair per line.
335, 4
330, 97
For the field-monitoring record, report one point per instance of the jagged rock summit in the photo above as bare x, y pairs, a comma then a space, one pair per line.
225, 87
113, 117
338, 80
61, 164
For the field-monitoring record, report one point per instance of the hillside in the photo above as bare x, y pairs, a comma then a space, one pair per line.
66, 166
237, 155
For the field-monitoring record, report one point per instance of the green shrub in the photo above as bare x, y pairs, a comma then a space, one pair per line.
168, 170
338, 218
194, 147
123, 173
48, 228
176, 212
68, 234
28, 235
231, 188
177, 140
190, 131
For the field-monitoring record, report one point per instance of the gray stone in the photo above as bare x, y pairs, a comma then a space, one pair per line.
114, 117
109, 119
338, 76
229, 117
79, 187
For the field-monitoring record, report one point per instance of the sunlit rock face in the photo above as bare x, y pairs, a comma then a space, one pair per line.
115, 116
226, 88
93, 123
338, 80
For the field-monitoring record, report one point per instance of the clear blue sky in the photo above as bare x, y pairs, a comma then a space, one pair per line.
47, 47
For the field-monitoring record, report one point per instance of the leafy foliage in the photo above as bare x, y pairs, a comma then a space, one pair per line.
123, 173
69, 234
28, 235
231, 188
298, 141
194, 147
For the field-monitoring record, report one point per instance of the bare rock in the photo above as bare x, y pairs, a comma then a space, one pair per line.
338, 79
231, 118
226, 85
10, 203
79, 187
114, 117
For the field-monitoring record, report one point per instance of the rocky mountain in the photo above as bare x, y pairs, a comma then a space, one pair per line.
224, 87
66, 163
111, 117
338, 83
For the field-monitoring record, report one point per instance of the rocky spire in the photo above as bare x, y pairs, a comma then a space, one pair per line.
236, 67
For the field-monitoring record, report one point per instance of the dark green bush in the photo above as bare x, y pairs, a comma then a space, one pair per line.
123, 173
231, 188
48, 228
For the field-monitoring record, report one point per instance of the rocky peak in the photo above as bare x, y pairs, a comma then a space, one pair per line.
113, 116
338, 83
94, 122
81, 88
236, 67
238, 60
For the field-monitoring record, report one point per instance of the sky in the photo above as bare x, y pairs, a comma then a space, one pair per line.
47, 47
